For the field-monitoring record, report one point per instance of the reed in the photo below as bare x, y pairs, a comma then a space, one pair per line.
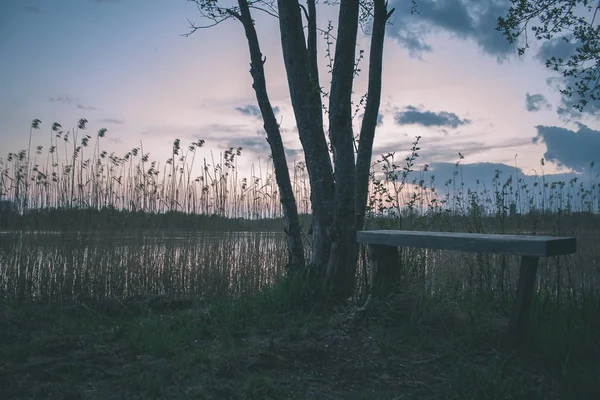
110, 248
87, 223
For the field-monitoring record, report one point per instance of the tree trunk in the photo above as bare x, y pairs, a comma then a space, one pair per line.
306, 102
313, 66
369, 122
367, 131
286, 194
338, 199
340, 269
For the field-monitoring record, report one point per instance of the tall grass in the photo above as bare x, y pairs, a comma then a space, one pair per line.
85, 266
74, 172
74, 187
98, 208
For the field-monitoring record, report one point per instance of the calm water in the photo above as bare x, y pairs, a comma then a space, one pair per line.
47, 265
57, 265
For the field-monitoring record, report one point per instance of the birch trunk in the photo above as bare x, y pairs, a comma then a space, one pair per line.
341, 267
306, 101
286, 194
367, 133
369, 122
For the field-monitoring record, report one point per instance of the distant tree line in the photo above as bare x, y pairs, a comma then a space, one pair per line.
112, 219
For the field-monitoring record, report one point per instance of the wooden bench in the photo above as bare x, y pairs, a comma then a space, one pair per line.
384, 260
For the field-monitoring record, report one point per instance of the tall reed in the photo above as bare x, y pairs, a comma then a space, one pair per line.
103, 205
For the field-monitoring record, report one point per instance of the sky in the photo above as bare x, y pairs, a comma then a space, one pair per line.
449, 77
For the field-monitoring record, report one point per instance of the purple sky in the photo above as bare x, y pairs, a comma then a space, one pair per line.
124, 66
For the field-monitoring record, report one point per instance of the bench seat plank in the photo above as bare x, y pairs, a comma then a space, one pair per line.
538, 246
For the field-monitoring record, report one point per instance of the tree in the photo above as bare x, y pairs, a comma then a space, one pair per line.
573, 21
211, 10
339, 194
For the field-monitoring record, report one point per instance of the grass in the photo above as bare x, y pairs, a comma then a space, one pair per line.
99, 201
73, 171
264, 346
117, 281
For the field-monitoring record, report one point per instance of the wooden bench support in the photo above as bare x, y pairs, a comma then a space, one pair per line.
385, 269
520, 318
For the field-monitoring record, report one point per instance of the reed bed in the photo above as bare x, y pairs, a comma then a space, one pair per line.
81, 222
94, 266
75, 173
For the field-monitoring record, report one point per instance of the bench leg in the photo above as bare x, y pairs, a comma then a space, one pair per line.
384, 264
520, 319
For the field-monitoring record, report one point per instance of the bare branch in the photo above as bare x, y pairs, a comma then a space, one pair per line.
193, 27
210, 11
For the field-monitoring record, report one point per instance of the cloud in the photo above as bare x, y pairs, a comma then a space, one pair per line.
440, 150
413, 41
571, 149
480, 176
216, 131
82, 107
111, 120
294, 154
562, 49
470, 174
32, 10
557, 47
413, 116
452, 178
61, 99
379, 118
64, 99
475, 20
224, 136
255, 144
208, 132
249, 110
566, 108
535, 102
253, 111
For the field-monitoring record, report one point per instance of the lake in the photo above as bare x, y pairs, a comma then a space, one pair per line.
49, 265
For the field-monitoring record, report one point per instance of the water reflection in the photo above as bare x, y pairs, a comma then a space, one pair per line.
47, 265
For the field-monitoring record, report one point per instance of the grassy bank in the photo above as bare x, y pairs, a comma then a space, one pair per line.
283, 344
71, 184
120, 278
